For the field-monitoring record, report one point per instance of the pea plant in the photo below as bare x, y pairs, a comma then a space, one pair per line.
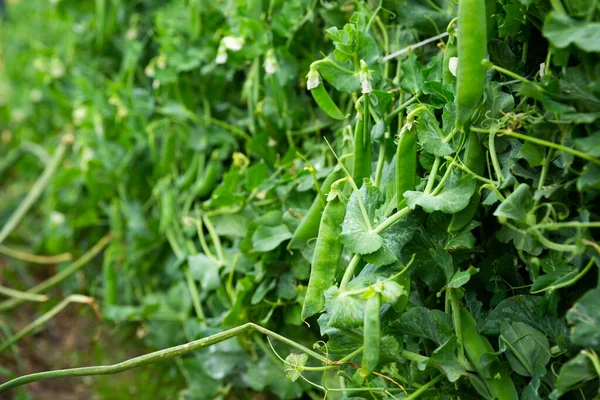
340, 199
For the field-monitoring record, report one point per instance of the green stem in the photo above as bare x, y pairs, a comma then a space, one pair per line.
543, 175
494, 156
349, 272
391, 220
193, 289
423, 388
457, 325
570, 281
558, 7
476, 176
433, 175
62, 275
17, 294
36, 190
542, 142
553, 226
215, 238
33, 258
381, 159
227, 126
400, 108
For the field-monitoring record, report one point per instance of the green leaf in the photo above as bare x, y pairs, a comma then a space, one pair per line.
412, 77
394, 239
204, 270
460, 278
434, 325
561, 31
517, 205
357, 236
429, 133
438, 94
584, 318
294, 365
454, 196
445, 358
344, 311
526, 347
589, 178
526, 309
267, 238
573, 373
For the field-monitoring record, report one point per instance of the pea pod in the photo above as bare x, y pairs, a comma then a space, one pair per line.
188, 177
472, 45
207, 183
406, 164
476, 345
167, 153
475, 161
328, 251
325, 103
309, 227
361, 168
371, 332
109, 275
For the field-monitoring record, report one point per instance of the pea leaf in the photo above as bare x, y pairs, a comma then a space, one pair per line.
573, 373
526, 309
445, 358
561, 31
526, 347
584, 317
454, 197
517, 205
430, 135
434, 325
394, 238
204, 270
460, 278
267, 238
356, 235
294, 365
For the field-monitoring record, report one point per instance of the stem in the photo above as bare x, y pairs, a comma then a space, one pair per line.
381, 159
17, 294
400, 108
215, 238
37, 189
229, 127
349, 272
543, 174
423, 388
442, 182
476, 176
62, 275
542, 142
33, 258
457, 325
74, 298
194, 294
391, 220
570, 281
432, 175
558, 7
560, 225
414, 46
494, 156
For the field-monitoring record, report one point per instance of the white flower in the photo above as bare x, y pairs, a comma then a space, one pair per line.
155, 84
18, 115
364, 76
57, 218
79, 115
131, 34
271, 66
39, 64
79, 28
542, 69
54, 2
36, 95
57, 69
161, 61
453, 65
366, 86
86, 156
221, 56
313, 80
233, 43
149, 71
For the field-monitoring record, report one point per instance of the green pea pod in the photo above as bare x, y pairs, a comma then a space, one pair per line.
475, 161
451, 51
188, 177
406, 164
362, 145
476, 345
328, 251
167, 153
472, 45
371, 332
204, 186
325, 102
309, 227
400, 305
